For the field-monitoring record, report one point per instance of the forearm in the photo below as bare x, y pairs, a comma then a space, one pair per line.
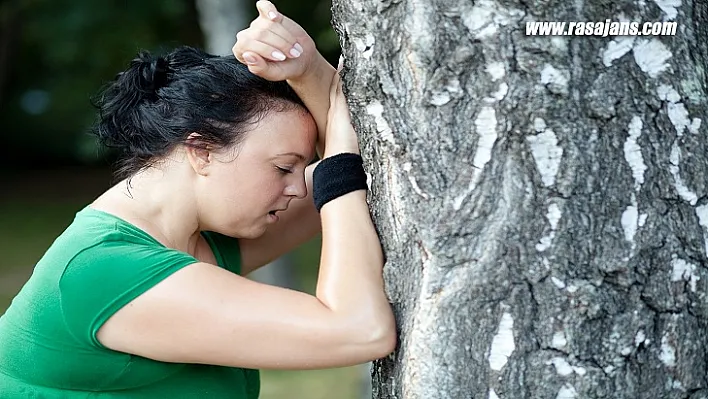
313, 88
350, 280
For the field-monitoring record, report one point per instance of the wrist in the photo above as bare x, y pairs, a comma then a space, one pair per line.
318, 70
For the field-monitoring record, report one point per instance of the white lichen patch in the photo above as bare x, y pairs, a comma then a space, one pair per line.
633, 152
669, 7
553, 215
702, 213
639, 338
547, 154
651, 56
366, 45
684, 271
492, 394
486, 128
695, 125
683, 191
563, 368
486, 16
668, 352
630, 220
375, 109
567, 392
539, 125
503, 342
479, 20
545, 242
676, 384
678, 115
559, 341
616, 49
642, 219
496, 70
557, 282
667, 93
440, 98
556, 80
560, 42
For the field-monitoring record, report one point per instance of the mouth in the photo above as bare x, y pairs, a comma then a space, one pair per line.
275, 210
274, 214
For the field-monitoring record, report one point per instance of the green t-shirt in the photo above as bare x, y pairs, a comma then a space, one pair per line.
48, 345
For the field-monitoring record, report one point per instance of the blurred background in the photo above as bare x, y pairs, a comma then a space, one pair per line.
54, 56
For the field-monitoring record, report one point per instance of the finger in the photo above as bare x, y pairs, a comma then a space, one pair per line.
267, 10
287, 41
254, 61
270, 51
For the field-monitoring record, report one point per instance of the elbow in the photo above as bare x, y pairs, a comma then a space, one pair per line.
382, 339
387, 344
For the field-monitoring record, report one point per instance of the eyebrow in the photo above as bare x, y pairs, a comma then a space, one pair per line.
295, 154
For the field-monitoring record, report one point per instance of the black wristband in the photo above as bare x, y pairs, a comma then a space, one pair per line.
337, 175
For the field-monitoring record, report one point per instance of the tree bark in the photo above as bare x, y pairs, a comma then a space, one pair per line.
541, 200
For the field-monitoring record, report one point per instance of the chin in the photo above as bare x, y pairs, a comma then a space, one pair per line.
253, 233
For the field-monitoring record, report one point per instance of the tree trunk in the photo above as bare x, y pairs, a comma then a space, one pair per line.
541, 200
220, 21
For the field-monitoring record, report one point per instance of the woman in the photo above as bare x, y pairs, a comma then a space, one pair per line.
143, 295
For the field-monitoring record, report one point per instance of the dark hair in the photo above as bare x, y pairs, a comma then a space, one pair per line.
158, 101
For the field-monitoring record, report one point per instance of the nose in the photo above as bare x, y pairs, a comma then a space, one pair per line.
297, 188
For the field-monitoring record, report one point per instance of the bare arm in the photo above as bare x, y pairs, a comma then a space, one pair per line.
313, 89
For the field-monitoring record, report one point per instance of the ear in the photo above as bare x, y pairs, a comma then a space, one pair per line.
199, 153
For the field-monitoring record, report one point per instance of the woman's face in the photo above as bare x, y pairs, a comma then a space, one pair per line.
262, 174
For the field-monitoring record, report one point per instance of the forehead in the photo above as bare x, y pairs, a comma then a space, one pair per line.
282, 132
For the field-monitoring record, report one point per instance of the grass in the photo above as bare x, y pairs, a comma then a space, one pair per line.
30, 226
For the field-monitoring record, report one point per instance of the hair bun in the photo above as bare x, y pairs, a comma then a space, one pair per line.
153, 72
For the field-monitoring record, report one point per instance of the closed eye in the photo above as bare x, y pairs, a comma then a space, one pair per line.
283, 170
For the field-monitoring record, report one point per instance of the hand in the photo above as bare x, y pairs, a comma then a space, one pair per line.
340, 135
275, 47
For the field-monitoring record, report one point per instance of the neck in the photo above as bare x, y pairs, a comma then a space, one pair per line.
161, 203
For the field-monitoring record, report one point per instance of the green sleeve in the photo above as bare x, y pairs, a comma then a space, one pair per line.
226, 250
103, 278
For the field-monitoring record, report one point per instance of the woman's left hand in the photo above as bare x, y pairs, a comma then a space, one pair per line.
274, 47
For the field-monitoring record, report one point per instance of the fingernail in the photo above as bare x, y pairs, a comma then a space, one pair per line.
249, 58
272, 15
278, 55
294, 52
298, 47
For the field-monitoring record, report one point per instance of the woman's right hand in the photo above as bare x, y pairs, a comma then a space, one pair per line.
340, 136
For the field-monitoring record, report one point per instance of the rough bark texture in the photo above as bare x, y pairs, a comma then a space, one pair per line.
542, 201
